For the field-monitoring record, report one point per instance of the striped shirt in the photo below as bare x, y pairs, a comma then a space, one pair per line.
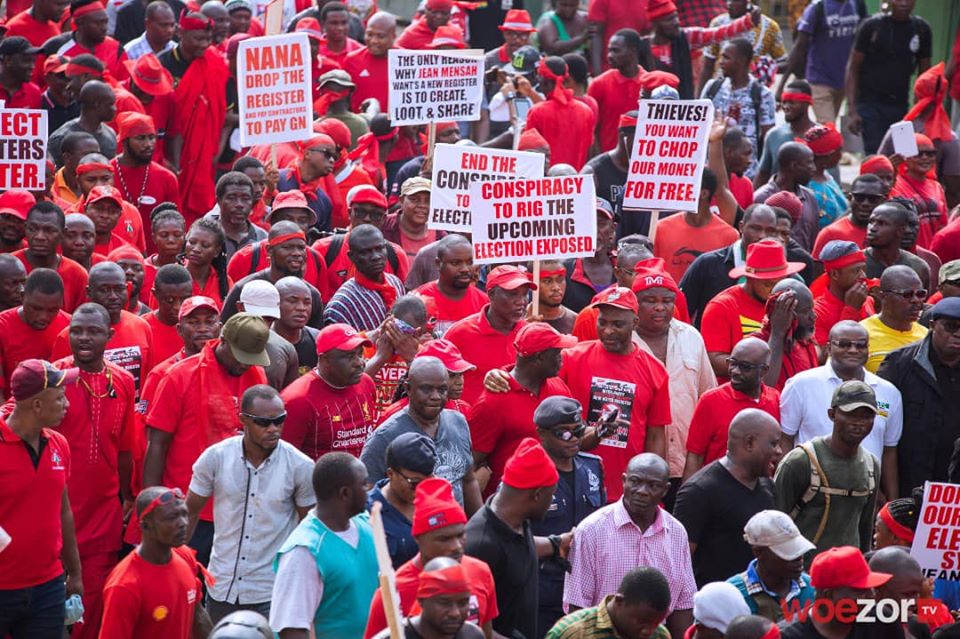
593, 623
607, 545
359, 307
139, 47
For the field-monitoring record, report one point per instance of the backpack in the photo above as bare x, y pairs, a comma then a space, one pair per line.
756, 96
819, 483
336, 245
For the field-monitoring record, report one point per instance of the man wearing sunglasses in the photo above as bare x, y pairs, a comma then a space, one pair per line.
261, 488
310, 175
926, 374
902, 297
866, 194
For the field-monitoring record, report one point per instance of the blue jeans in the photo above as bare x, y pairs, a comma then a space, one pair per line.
877, 118
36, 612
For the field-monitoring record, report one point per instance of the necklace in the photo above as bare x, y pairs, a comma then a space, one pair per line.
109, 391
123, 183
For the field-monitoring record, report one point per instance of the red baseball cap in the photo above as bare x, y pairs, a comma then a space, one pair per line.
34, 376
844, 567
191, 304
766, 260
55, 64
447, 353
341, 337
16, 202
618, 297
366, 194
104, 192
294, 199
538, 336
509, 278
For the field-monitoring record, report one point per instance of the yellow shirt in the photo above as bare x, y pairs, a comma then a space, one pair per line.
884, 339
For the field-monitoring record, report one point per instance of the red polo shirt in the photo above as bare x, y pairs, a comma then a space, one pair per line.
129, 348
74, 279
635, 383
371, 75
842, 229
729, 317
447, 311
253, 257
339, 56
27, 97
18, 341
483, 347
30, 497
323, 419
830, 309
568, 128
166, 340
714, 412
500, 421
615, 94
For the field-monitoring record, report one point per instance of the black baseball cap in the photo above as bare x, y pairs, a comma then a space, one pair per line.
17, 44
524, 61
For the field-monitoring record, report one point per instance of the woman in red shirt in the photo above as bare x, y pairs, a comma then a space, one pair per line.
167, 229
205, 257
915, 183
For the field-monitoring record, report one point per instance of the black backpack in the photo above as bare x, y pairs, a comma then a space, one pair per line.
336, 245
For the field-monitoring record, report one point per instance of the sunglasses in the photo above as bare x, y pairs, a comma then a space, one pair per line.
266, 422
949, 325
565, 435
869, 198
919, 294
174, 494
746, 367
847, 344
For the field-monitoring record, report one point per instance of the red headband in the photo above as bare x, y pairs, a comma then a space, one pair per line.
898, 529
192, 23
87, 8
627, 121
555, 272
123, 253
447, 581
286, 237
845, 260
75, 68
92, 166
790, 96
559, 94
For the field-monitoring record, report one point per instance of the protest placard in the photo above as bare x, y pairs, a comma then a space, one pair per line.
23, 149
544, 218
668, 156
936, 544
275, 98
455, 168
431, 86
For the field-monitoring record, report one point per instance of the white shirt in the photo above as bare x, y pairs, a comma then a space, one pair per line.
254, 511
806, 398
139, 47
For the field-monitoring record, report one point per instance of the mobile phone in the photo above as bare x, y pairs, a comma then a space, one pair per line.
403, 327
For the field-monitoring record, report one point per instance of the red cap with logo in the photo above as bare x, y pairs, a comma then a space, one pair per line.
650, 273
435, 507
618, 297
537, 336
104, 192
341, 337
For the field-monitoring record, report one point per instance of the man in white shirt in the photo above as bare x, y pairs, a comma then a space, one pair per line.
261, 488
806, 398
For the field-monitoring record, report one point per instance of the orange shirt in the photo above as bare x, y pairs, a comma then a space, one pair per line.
19, 341
166, 340
679, 244
129, 348
74, 279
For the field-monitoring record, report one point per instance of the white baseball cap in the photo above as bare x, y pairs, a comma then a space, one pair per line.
717, 604
261, 298
775, 530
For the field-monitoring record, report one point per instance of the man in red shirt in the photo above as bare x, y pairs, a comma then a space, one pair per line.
14, 204
131, 261
17, 61
368, 66
104, 205
613, 373
486, 338
866, 194
44, 232
333, 407
438, 528
617, 90
846, 294
28, 331
171, 288
153, 85
99, 426
420, 32
565, 123
35, 514
155, 592
37, 24
453, 295
129, 345
738, 311
707, 440
142, 181
335, 22
89, 35
500, 421
197, 404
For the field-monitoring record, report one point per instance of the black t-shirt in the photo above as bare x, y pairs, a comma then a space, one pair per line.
949, 381
714, 507
891, 52
172, 60
608, 178
512, 559
484, 21
307, 349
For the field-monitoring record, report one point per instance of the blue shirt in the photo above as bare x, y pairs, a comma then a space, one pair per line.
397, 527
833, 204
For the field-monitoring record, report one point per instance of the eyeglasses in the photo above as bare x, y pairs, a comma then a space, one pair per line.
867, 197
919, 294
174, 494
266, 422
412, 483
949, 325
333, 156
746, 367
566, 434
847, 344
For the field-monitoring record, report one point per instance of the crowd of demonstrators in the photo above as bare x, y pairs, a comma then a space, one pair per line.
220, 363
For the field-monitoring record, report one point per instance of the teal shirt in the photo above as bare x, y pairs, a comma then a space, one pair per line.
830, 199
349, 575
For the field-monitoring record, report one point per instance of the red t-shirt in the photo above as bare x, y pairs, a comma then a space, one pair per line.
339, 270
166, 340
568, 129
145, 190
615, 94
339, 56
729, 317
253, 257
417, 36
109, 51
447, 311
483, 347
148, 601
615, 15
322, 419
946, 243
27, 97
30, 498
830, 309
483, 595
635, 383
371, 75
500, 421
99, 425
35, 31
742, 190
18, 341
129, 348
842, 229
74, 279
714, 412
679, 244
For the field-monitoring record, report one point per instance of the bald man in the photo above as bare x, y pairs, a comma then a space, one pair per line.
296, 306
707, 439
907, 580
13, 277
98, 105
806, 398
215, 10
788, 329
368, 66
717, 502
79, 240
902, 296
796, 170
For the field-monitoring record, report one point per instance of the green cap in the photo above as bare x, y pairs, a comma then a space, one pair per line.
949, 272
854, 394
247, 336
